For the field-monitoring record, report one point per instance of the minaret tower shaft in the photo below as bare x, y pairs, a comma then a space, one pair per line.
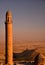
8, 37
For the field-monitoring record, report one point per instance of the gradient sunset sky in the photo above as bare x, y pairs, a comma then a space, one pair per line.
28, 19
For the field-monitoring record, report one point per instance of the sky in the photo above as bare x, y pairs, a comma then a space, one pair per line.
28, 19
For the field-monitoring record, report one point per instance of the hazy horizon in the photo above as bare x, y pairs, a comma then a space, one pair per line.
28, 19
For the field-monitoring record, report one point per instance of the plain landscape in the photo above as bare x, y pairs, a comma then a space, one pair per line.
21, 46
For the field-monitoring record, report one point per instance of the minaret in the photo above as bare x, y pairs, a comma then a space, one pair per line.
8, 37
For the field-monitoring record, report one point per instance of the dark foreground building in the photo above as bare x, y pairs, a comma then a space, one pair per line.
27, 57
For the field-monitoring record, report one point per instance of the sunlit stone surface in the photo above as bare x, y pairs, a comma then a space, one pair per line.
8, 37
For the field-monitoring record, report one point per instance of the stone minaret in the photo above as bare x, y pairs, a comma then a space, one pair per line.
8, 39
